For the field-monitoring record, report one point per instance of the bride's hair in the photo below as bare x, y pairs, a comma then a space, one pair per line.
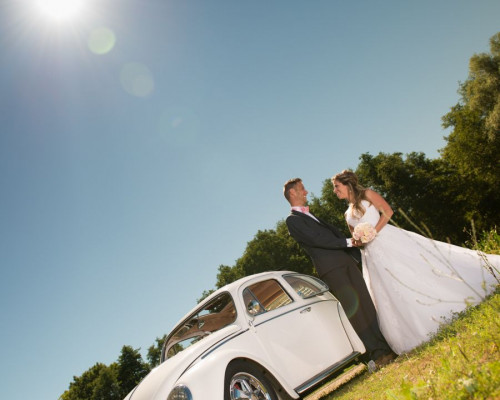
356, 191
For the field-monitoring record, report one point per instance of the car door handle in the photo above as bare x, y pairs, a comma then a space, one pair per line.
305, 310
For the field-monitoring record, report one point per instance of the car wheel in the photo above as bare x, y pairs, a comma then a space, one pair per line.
245, 381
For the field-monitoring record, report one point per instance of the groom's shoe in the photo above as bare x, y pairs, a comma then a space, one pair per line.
372, 367
385, 359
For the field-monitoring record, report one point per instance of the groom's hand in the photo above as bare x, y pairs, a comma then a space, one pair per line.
356, 243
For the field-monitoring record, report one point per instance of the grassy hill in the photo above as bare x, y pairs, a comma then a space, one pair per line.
461, 362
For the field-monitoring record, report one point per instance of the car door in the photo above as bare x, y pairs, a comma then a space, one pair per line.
302, 337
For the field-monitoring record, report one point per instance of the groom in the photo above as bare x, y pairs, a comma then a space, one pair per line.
336, 263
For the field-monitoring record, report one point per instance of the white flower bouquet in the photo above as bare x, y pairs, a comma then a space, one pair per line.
365, 232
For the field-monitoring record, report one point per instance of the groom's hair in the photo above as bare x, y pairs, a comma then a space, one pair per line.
290, 184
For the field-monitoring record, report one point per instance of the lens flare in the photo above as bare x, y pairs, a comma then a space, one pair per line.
348, 296
101, 41
137, 79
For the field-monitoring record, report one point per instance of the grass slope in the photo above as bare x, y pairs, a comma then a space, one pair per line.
461, 362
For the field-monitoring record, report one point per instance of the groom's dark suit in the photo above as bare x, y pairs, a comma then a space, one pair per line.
337, 265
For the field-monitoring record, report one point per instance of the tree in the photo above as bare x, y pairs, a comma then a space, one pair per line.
481, 91
227, 275
82, 387
131, 369
154, 351
473, 146
106, 385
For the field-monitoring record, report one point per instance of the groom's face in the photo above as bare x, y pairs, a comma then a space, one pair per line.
299, 194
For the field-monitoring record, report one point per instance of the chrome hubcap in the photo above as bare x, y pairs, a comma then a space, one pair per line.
246, 386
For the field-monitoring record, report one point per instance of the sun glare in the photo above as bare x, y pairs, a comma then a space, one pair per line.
61, 10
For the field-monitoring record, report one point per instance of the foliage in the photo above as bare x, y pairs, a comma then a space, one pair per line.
131, 369
228, 274
154, 351
489, 242
83, 386
473, 145
112, 382
106, 385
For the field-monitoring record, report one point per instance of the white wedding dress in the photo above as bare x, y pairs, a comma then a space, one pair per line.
417, 283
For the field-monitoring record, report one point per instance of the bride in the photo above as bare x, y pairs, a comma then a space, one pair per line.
416, 283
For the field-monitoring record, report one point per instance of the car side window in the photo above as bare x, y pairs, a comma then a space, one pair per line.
306, 286
217, 314
265, 296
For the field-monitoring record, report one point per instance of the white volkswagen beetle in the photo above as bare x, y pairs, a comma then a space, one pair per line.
270, 336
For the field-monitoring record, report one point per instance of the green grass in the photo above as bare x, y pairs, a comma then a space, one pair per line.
461, 362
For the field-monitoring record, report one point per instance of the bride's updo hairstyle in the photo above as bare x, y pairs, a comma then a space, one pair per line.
356, 191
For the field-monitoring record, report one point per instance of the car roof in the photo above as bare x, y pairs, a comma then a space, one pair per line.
231, 287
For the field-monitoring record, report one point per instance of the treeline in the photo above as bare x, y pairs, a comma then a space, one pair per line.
110, 382
440, 197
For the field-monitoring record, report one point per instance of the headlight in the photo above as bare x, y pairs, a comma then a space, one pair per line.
180, 392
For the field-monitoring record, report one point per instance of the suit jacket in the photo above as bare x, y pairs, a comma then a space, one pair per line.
323, 242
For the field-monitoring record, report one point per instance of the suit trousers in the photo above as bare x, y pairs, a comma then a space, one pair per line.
346, 282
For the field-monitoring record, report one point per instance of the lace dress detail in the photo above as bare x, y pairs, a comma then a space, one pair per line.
417, 283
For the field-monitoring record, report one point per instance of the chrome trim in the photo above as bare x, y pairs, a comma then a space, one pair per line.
303, 306
327, 372
221, 343
244, 385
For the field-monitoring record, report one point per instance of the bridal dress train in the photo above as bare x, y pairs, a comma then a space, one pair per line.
418, 283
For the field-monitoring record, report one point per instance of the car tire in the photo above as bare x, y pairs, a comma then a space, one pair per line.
244, 380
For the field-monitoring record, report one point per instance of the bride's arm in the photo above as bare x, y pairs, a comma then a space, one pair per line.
382, 206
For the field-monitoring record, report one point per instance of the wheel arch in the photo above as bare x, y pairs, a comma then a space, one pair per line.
280, 390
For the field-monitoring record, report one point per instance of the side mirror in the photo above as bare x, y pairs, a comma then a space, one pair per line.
254, 308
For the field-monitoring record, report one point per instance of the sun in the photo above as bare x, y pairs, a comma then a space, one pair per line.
61, 10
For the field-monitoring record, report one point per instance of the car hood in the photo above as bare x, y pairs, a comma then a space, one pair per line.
163, 378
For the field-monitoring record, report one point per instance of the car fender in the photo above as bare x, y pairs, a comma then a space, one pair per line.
207, 374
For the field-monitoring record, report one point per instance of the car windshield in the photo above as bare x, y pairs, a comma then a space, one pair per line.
306, 286
214, 316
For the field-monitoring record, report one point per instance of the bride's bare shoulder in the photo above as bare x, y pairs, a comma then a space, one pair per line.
378, 201
372, 196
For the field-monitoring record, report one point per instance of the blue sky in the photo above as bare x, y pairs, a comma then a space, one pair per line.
143, 143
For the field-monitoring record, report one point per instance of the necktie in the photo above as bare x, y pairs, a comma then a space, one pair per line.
304, 209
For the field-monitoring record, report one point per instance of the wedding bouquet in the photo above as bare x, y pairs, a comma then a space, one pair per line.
365, 232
